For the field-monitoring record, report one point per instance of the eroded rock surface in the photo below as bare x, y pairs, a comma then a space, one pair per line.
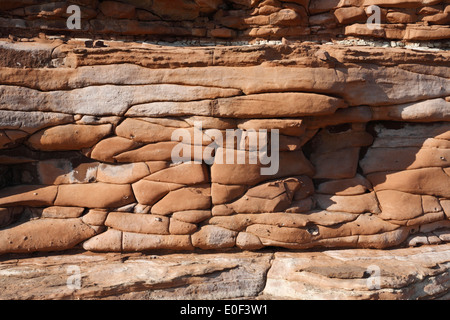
121, 144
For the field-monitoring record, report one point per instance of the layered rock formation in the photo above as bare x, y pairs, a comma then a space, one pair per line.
231, 19
89, 129
400, 274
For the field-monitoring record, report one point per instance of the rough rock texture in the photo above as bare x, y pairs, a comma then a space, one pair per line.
401, 274
230, 20
150, 128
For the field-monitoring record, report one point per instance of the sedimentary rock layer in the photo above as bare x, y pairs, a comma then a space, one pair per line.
361, 158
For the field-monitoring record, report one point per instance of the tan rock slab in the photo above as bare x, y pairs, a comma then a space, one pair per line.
138, 223
222, 193
62, 212
180, 227
95, 195
145, 242
340, 164
68, 137
188, 198
185, 173
345, 187
277, 105
29, 195
429, 181
95, 217
122, 173
396, 159
108, 241
354, 204
150, 192
397, 205
248, 241
44, 235
65, 171
192, 216
106, 149
214, 237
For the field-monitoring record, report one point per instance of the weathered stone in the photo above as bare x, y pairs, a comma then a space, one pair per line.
341, 164
150, 192
138, 223
97, 100
213, 237
355, 204
106, 149
290, 164
64, 171
248, 241
95, 195
277, 105
390, 159
430, 181
44, 235
399, 205
31, 122
189, 198
123, 173
117, 9
222, 193
181, 227
186, 173
62, 212
95, 217
145, 242
345, 187
68, 137
108, 241
29, 195
192, 216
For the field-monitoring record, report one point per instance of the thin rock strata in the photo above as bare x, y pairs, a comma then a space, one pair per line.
87, 129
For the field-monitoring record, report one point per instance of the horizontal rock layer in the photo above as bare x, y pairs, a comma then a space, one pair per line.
401, 274
220, 20
130, 147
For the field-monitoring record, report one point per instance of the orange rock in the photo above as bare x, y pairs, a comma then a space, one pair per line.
430, 181
222, 193
348, 15
277, 105
95, 195
188, 198
44, 235
64, 171
355, 204
117, 9
340, 164
123, 173
106, 149
345, 187
181, 227
62, 212
397, 205
150, 192
145, 242
213, 237
29, 195
192, 216
138, 223
68, 137
108, 241
185, 173
248, 241
95, 217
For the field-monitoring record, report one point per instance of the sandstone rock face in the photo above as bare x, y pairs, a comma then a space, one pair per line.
294, 140
360, 159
